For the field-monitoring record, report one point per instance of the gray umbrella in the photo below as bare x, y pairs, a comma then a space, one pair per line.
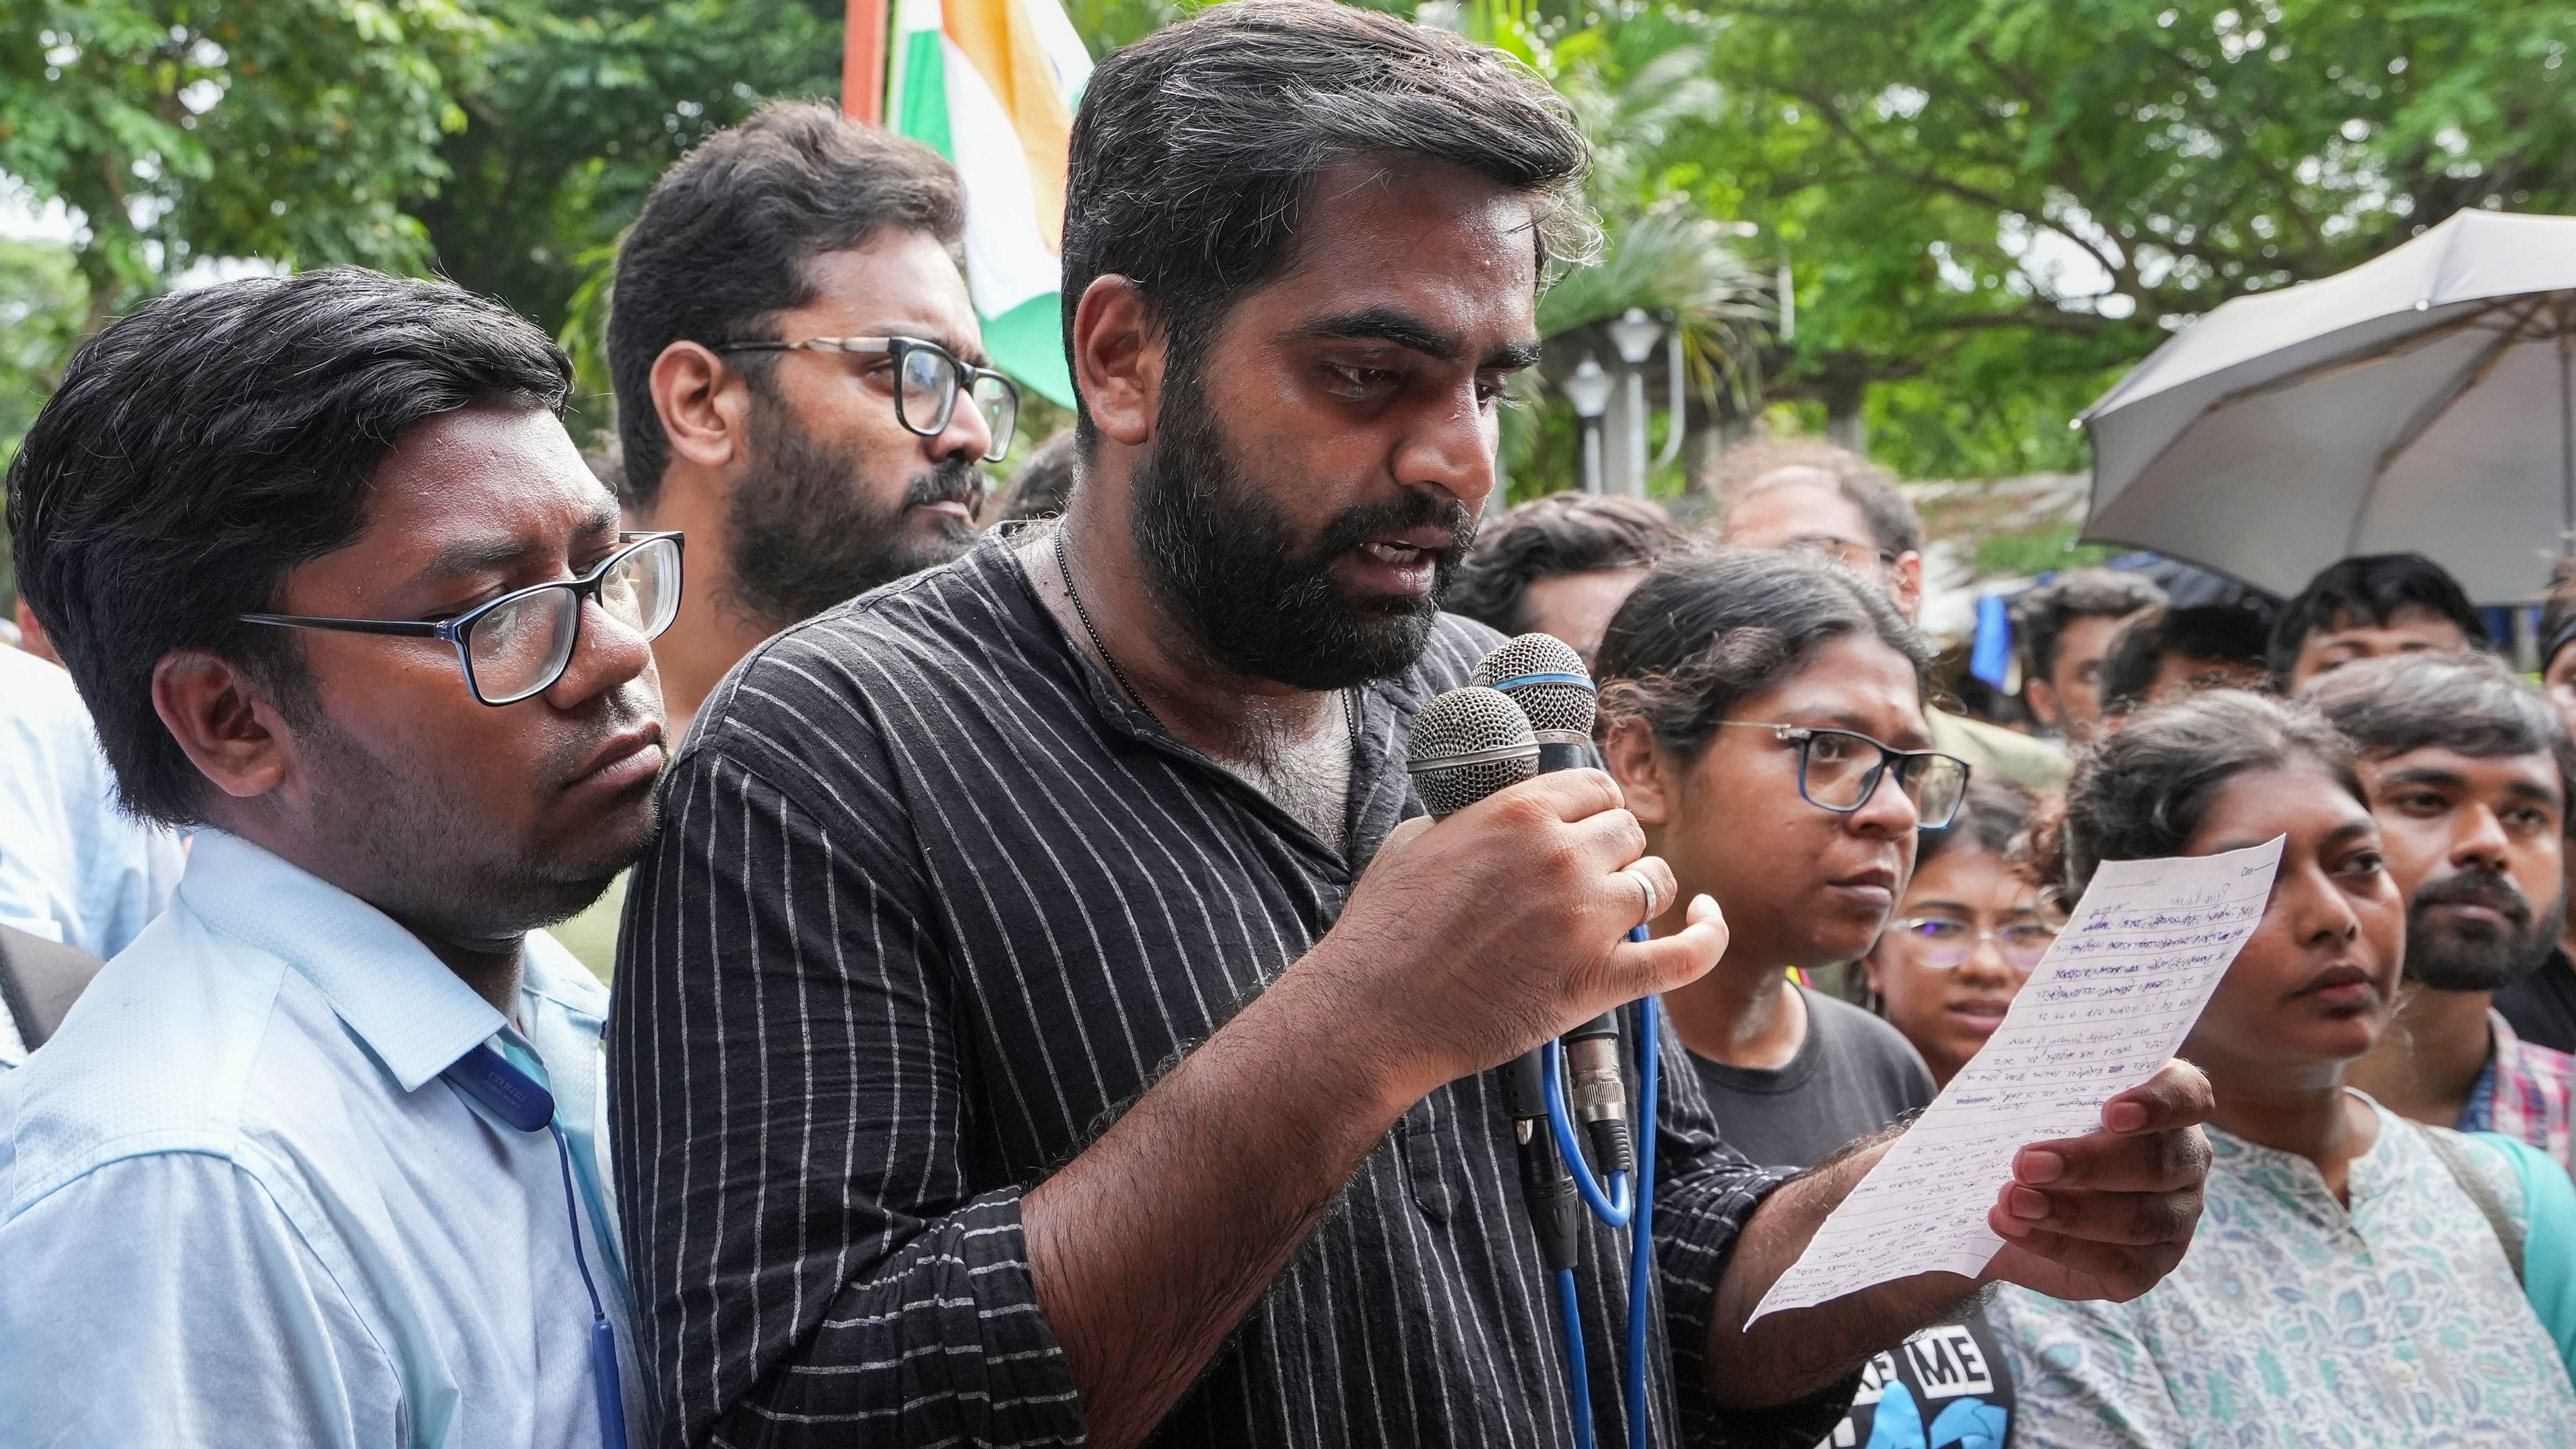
2424, 400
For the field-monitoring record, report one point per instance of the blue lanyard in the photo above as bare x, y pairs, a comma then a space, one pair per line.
520, 1100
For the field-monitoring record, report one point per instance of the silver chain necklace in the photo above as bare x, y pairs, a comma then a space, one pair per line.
1064, 571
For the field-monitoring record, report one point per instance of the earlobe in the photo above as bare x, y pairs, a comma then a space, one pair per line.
223, 727
699, 402
1118, 360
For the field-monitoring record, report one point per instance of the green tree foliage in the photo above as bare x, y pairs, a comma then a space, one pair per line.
1994, 206
300, 131
581, 105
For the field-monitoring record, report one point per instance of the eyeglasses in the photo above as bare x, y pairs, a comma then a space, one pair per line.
1943, 943
520, 643
928, 378
1849, 552
1839, 770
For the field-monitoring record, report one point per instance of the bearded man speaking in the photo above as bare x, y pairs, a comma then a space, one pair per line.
1039, 1021
799, 380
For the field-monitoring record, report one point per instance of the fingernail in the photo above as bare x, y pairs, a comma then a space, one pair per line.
2035, 1167
2026, 1204
2124, 1117
1701, 905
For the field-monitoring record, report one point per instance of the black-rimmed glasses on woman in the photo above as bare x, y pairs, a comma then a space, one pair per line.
1839, 770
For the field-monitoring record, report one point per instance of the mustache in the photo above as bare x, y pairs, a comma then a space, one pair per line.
1355, 526
2478, 887
954, 481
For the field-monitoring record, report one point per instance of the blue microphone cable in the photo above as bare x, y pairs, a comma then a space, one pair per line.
1623, 1203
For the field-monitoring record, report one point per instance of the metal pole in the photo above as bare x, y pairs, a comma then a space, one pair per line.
1635, 481
1675, 401
1591, 455
2566, 429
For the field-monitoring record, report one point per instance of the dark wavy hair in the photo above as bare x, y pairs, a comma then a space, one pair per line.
207, 443
2143, 791
2369, 590
2204, 633
2469, 704
1550, 537
1196, 147
1708, 629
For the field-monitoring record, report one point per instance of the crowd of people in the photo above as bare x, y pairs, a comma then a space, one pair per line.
1042, 1010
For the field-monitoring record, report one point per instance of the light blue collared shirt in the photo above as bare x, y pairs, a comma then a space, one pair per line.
240, 1206
73, 867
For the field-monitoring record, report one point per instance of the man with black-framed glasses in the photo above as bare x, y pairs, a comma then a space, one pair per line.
318, 1158
801, 382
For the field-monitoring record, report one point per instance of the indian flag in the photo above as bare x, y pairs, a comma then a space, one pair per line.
992, 85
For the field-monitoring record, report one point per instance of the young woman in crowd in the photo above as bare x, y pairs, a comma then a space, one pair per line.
1763, 712
1966, 934
2353, 1280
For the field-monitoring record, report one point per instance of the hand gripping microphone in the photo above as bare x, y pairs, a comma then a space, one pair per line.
1465, 745
1546, 678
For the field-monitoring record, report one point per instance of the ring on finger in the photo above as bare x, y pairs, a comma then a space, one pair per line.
1645, 888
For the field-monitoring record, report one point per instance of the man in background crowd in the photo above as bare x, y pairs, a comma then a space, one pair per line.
1807, 493
2363, 608
786, 282
2542, 1006
2064, 628
1561, 565
314, 1160
2166, 653
2467, 766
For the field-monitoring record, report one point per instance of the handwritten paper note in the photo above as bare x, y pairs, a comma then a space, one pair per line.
2104, 1009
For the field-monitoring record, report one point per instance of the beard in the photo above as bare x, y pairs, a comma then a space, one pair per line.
1220, 555
2472, 955
805, 535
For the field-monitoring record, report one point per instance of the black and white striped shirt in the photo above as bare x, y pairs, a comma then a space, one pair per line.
931, 902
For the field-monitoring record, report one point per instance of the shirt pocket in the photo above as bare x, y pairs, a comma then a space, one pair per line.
1427, 1140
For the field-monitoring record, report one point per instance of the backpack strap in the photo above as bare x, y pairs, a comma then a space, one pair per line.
2508, 1233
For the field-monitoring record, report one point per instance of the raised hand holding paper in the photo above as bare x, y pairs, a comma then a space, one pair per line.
2106, 1007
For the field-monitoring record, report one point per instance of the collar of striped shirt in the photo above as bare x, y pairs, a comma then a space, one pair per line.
931, 904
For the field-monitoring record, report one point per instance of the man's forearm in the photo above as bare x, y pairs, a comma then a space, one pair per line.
1792, 1354
1149, 1247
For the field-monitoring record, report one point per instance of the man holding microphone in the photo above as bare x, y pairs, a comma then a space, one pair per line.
1037, 1021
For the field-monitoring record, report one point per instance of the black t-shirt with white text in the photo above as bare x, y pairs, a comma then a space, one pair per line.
1947, 1387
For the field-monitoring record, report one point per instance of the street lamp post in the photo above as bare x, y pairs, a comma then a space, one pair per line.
1589, 390
1635, 335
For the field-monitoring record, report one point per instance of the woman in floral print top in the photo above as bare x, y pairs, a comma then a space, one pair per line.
2346, 1286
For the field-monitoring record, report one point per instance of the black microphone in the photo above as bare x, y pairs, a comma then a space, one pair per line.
1546, 678
1465, 745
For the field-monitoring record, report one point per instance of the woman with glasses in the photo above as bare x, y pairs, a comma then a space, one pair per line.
1763, 712
2353, 1278
1967, 932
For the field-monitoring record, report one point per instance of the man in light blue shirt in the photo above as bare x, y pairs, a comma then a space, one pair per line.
316, 1160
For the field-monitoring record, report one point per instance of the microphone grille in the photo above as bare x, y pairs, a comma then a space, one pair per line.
1467, 744
1551, 704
